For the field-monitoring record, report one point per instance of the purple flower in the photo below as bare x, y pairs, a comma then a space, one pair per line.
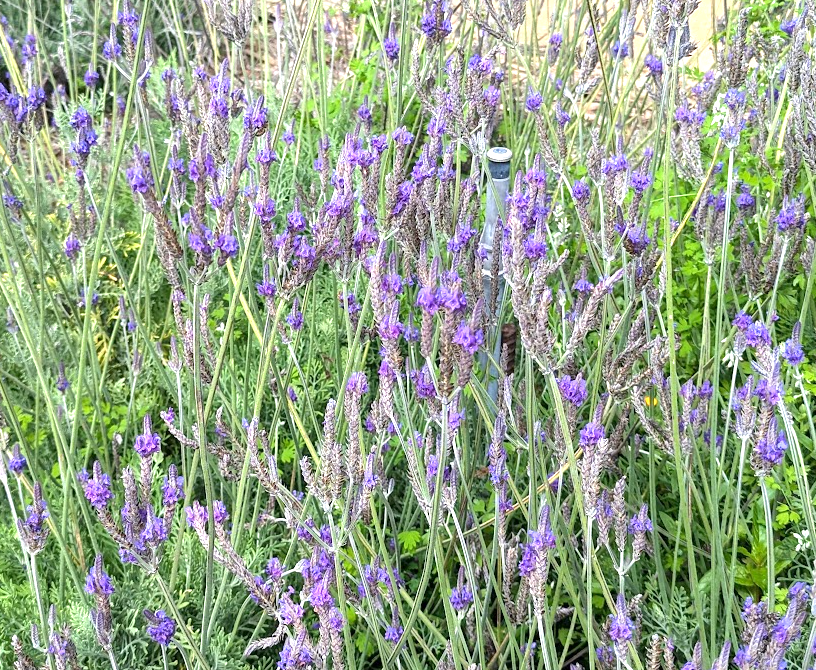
685, 116
427, 300
791, 215
295, 656
172, 487
770, 450
402, 137
220, 514
757, 335
320, 596
436, 23
640, 181
295, 318
154, 532
138, 175
606, 656
620, 625
97, 581
28, 49
391, 283
580, 191
451, 299
288, 136
256, 118
111, 49
17, 462
295, 221
274, 569
536, 548
200, 241
227, 245
289, 612
349, 299
34, 531
464, 233
591, 434
654, 65
470, 340
197, 516
461, 597
82, 123
641, 523
615, 164
573, 390
436, 128
12, 201
742, 321
479, 65
620, 50
391, 47
497, 468
357, 384
768, 391
455, 420
35, 99
734, 98
554, 46
91, 78
730, 132
687, 390
97, 488
792, 352
787, 26
491, 95
364, 111
160, 627
393, 633
176, 165
745, 200
148, 443
534, 100
423, 383
561, 116
266, 288
535, 248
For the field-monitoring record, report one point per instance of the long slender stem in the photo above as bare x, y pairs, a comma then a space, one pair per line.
769, 545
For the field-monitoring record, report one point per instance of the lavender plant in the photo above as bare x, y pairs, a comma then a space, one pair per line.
271, 398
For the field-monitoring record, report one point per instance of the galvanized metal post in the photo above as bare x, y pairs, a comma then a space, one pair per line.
498, 186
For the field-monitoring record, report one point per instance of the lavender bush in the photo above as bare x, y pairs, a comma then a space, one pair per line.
275, 395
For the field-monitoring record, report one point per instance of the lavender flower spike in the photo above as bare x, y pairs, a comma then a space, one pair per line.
33, 530
99, 585
148, 443
97, 488
17, 463
160, 627
461, 596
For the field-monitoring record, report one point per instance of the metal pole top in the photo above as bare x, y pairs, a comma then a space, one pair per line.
499, 162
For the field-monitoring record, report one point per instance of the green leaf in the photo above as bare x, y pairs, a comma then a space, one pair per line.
409, 539
742, 577
287, 454
785, 515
